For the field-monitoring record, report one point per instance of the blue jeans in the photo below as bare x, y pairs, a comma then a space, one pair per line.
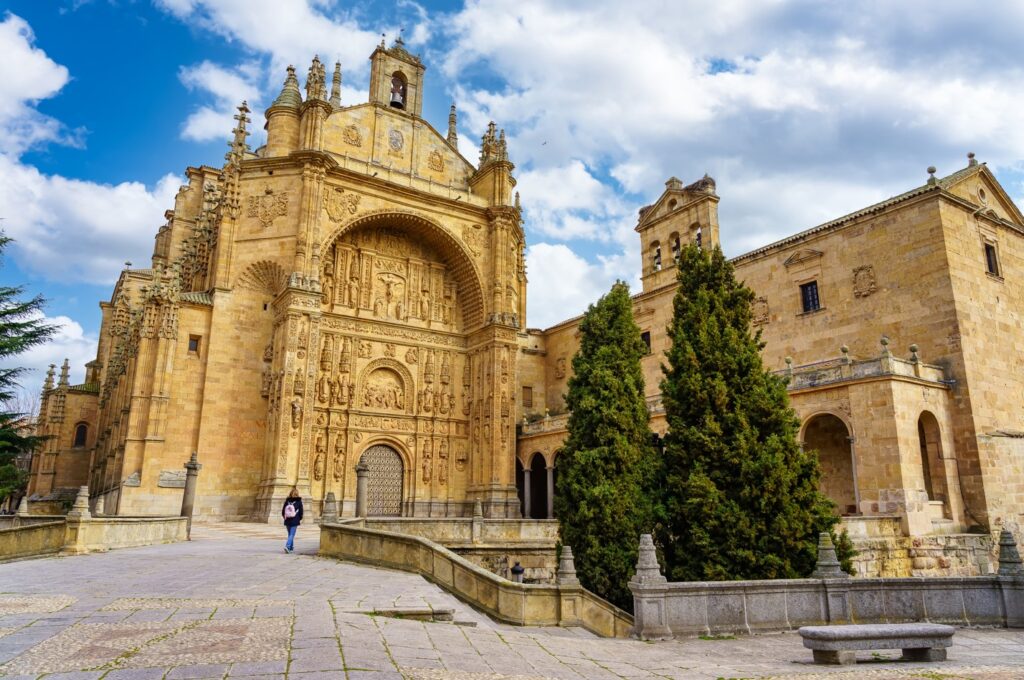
290, 544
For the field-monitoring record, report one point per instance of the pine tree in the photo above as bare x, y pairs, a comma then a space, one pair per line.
21, 327
741, 496
607, 466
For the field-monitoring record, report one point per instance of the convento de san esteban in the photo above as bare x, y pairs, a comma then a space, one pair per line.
353, 294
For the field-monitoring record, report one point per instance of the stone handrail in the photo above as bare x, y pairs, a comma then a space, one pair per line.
515, 603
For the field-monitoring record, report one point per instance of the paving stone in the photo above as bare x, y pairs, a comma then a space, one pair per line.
198, 671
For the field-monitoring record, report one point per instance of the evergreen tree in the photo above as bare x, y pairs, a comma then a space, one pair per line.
21, 328
741, 497
607, 465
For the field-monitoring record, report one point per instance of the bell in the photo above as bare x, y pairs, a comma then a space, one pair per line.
396, 100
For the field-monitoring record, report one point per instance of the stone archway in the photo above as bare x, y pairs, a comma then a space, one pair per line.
384, 481
932, 464
828, 435
538, 488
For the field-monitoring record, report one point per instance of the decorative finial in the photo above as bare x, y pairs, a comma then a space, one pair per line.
383, 45
827, 565
48, 383
971, 161
518, 205
238, 145
65, 370
453, 135
316, 87
913, 353
336, 86
399, 41
290, 95
127, 265
931, 175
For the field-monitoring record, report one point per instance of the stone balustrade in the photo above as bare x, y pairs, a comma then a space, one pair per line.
845, 368
664, 610
561, 604
79, 532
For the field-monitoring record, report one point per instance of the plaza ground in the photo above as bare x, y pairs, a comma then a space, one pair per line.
232, 604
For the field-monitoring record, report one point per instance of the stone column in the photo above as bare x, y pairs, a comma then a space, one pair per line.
188, 499
526, 493
362, 472
551, 492
100, 505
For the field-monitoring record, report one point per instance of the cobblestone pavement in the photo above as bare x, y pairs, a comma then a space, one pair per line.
232, 604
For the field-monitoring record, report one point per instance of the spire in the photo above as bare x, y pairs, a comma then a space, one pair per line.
518, 204
48, 384
316, 86
237, 144
64, 370
453, 135
336, 86
290, 95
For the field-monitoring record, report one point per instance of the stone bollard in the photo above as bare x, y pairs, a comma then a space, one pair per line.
22, 506
1009, 557
362, 474
80, 510
648, 571
567, 569
649, 587
828, 564
100, 505
188, 499
330, 512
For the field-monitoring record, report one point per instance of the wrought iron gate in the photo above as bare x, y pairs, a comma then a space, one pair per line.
384, 482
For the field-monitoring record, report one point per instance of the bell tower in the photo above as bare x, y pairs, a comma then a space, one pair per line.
396, 78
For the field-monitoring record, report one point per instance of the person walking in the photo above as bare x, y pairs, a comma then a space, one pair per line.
292, 513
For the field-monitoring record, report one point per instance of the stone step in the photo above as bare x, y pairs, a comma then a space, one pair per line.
943, 527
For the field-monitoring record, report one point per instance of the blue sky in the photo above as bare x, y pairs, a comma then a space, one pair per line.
801, 110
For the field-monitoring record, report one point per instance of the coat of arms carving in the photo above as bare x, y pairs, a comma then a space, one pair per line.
338, 203
268, 207
759, 311
864, 281
435, 161
396, 140
352, 136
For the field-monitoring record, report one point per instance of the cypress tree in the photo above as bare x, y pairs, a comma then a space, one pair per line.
741, 496
21, 328
607, 465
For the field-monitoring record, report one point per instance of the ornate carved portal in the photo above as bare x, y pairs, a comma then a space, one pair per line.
384, 487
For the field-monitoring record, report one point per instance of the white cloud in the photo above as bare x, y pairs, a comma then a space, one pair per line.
27, 75
229, 88
802, 111
562, 283
65, 229
70, 342
72, 230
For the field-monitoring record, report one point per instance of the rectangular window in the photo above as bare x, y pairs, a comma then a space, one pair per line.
193, 344
646, 337
991, 259
527, 397
809, 296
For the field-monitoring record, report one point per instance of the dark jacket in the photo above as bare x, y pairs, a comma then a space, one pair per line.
293, 521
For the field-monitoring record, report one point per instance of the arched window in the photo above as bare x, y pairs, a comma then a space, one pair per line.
676, 248
656, 256
398, 90
81, 432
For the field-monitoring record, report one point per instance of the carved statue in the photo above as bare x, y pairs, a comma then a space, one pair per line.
378, 307
328, 289
424, 305
323, 389
318, 467
412, 356
296, 412
266, 382
338, 396
339, 458
400, 310
353, 292
427, 400
303, 332
427, 455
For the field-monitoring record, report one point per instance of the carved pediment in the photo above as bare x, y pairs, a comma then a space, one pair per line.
802, 255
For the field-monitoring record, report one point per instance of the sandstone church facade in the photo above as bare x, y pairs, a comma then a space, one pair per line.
354, 292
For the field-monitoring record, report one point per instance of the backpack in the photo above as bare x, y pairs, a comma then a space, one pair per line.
290, 511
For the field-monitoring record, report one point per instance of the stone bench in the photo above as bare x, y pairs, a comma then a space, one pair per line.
838, 644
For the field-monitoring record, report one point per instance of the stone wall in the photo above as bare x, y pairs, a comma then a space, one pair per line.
563, 604
79, 535
31, 541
